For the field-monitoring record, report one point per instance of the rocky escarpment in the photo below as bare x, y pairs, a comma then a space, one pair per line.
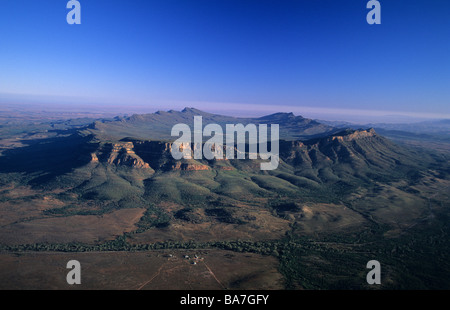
143, 155
357, 149
189, 166
119, 154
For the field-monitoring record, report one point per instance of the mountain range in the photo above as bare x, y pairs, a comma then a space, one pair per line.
157, 126
308, 149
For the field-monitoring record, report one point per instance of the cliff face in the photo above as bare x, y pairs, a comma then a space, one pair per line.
352, 135
143, 155
119, 154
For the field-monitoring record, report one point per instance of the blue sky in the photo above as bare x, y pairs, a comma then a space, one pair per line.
305, 56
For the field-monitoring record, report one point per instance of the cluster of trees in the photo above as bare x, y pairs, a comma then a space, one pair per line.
72, 210
121, 244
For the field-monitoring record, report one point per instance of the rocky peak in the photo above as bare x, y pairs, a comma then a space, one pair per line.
349, 134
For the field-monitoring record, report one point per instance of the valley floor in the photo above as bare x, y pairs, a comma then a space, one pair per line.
150, 270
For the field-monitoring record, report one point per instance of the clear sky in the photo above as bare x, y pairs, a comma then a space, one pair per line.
255, 55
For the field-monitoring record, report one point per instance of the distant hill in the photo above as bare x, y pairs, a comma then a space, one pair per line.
157, 126
431, 135
441, 127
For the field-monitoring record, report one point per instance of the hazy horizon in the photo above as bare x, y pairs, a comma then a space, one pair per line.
229, 109
318, 59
